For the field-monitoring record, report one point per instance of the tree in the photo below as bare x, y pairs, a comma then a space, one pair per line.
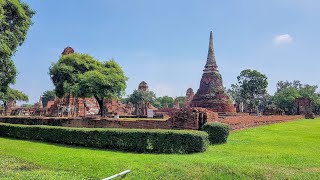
166, 102
141, 100
288, 92
252, 87
27, 105
82, 76
285, 99
15, 20
8, 74
181, 100
12, 95
235, 93
48, 96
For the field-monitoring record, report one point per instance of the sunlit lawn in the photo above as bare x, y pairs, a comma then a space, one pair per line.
281, 151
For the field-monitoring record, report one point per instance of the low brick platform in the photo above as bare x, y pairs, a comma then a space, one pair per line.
186, 119
191, 119
89, 123
242, 122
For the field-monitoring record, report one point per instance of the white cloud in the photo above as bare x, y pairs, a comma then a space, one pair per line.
282, 39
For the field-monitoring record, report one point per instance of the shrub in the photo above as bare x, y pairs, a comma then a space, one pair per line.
134, 140
218, 132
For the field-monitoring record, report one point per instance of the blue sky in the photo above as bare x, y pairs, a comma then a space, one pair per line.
165, 42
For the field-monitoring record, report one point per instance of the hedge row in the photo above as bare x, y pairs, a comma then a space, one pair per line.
134, 140
218, 132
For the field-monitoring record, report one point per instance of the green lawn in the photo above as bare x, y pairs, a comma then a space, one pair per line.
281, 151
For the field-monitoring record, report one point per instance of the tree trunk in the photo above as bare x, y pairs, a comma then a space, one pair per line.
5, 104
101, 106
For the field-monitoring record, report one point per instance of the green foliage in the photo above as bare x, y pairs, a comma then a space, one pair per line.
12, 95
235, 93
48, 96
181, 100
8, 74
133, 140
288, 92
285, 99
15, 20
83, 76
141, 97
252, 86
26, 105
141, 100
218, 132
164, 102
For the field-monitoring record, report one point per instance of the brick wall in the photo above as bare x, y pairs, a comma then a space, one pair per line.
182, 120
90, 123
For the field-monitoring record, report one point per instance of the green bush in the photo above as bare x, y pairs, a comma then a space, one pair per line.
134, 140
218, 132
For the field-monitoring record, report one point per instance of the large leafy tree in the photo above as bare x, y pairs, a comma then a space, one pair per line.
82, 76
288, 92
251, 88
12, 95
285, 99
141, 100
48, 96
15, 20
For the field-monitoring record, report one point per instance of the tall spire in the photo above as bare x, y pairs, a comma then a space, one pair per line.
211, 64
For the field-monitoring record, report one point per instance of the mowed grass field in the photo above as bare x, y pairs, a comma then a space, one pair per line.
280, 151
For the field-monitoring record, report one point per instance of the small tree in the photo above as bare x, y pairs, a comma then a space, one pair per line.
252, 87
83, 76
47, 96
141, 100
12, 95
288, 92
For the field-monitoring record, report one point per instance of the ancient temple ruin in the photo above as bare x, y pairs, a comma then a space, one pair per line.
211, 93
188, 98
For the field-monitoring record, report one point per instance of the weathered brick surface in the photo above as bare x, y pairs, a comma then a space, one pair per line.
88, 122
211, 93
241, 122
182, 119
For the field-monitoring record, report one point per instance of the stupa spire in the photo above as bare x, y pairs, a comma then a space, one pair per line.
211, 64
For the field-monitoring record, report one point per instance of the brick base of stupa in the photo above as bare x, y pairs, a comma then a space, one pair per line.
218, 103
215, 106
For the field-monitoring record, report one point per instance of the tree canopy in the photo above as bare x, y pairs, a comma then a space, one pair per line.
288, 92
12, 95
164, 102
82, 76
141, 100
15, 20
251, 88
48, 96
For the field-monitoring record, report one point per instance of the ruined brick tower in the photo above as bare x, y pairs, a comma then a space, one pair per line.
211, 94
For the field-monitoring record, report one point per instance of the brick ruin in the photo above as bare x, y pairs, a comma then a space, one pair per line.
142, 108
211, 93
209, 104
68, 50
188, 98
303, 106
183, 119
